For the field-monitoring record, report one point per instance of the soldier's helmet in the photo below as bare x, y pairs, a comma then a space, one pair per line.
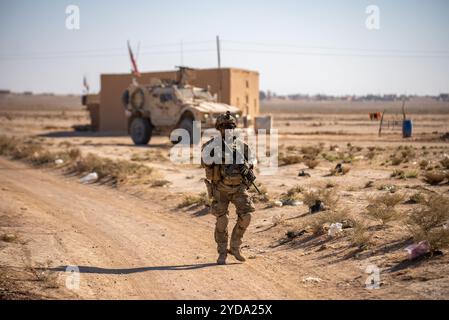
225, 121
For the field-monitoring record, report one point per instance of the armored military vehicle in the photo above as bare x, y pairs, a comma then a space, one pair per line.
166, 105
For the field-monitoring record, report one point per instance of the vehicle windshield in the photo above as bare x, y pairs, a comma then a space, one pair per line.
186, 93
202, 94
194, 93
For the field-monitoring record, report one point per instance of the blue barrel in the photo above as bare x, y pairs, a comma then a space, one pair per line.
407, 128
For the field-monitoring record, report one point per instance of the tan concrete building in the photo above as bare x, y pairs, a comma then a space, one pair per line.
233, 86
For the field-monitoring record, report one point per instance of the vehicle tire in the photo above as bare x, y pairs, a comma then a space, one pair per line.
125, 99
140, 130
187, 124
138, 99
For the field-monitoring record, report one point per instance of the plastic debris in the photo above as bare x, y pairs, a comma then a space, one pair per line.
90, 178
302, 173
334, 229
59, 161
418, 249
278, 203
317, 207
311, 280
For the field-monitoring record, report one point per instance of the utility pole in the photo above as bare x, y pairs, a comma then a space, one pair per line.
218, 52
219, 71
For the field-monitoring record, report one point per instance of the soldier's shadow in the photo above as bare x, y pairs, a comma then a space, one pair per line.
98, 270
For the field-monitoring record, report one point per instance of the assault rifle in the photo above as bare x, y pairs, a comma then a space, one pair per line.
246, 170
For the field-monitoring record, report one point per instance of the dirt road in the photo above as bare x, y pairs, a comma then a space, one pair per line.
123, 246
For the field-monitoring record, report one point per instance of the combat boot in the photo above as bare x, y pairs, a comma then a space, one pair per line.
222, 258
237, 254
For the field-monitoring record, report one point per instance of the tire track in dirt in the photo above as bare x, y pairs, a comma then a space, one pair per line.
129, 248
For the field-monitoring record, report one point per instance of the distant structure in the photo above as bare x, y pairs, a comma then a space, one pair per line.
232, 86
444, 97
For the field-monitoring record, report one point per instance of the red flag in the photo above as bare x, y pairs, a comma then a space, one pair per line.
135, 71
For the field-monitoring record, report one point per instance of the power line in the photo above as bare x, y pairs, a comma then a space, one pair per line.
107, 51
113, 55
277, 45
360, 55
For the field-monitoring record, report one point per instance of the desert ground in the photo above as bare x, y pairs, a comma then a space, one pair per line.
143, 230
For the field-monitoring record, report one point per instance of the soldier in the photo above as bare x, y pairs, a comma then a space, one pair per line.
224, 185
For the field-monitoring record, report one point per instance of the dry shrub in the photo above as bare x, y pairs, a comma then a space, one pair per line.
160, 183
345, 157
311, 163
395, 161
256, 197
117, 172
150, 155
8, 237
383, 207
33, 152
292, 194
360, 236
408, 154
311, 152
326, 196
429, 222
335, 172
423, 164
370, 155
7, 144
285, 160
445, 162
388, 199
329, 157
417, 198
194, 200
434, 177
401, 174
333, 147
381, 212
322, 221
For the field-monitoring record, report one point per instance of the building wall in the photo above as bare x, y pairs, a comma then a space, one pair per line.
244, 91
236, 86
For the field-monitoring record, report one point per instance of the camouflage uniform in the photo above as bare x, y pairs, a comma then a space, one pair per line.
225, 186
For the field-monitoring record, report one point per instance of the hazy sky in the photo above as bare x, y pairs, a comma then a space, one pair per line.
297, 46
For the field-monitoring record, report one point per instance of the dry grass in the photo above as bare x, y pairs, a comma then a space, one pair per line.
311, 152
429, 222
8, 237
388, 199
335, 172
256, 197
382, 207
285, 160
292, 194
424, 164
360, 237
326, 196
160, 183
445, 162
33, 152
117, 172
322, 221
434, 177
401, 174
150, 155
417, 198
113, 171
311, 163
194, 200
